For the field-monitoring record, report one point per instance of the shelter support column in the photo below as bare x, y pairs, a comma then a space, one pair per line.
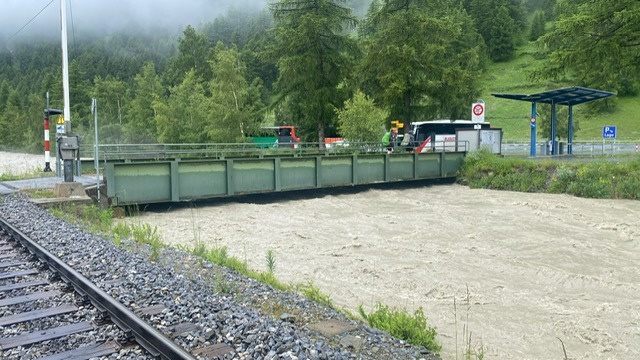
554, 146
570, 137
532, 153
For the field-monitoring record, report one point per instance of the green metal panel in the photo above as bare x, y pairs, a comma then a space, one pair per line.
142, 182
336, 170
202, 179
401, 167
297, 173
175, 181
451, 163
250, 176
370, 169
318, 171
428, 166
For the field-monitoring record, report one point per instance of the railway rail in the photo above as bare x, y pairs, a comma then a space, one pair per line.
38, 307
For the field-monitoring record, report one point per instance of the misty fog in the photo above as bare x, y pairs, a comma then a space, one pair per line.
105, 16
41, 18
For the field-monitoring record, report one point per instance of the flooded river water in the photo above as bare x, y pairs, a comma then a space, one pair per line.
530, 273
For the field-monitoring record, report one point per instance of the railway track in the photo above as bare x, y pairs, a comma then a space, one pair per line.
50, 311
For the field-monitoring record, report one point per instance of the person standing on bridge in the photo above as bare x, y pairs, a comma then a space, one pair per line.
388, 138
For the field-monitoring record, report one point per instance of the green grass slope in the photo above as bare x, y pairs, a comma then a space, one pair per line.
513, 116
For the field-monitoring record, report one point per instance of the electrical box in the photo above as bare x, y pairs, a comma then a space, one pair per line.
68, 147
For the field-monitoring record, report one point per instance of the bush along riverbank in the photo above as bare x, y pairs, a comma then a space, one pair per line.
604, 178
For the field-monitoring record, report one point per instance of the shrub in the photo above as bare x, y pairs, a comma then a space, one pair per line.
597, 179
412, 328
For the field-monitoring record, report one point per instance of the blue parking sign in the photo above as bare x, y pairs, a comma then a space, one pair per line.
609, 132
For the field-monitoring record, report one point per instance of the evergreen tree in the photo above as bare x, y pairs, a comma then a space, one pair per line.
500, 42
256, 57
500, 22
80, 102
537, 25
112, 97
194, 54
596, 34
548, 6
4, 95
312, 49
14, 121
366, 26
422, 60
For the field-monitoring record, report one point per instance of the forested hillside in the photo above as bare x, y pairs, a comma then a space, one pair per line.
298, 62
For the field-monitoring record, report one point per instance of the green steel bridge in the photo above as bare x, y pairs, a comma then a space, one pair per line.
143, 174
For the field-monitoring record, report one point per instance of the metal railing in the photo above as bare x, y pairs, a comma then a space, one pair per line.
587, 148
133, 152
107, 152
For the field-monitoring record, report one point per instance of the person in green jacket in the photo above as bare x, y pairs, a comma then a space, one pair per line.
387, 139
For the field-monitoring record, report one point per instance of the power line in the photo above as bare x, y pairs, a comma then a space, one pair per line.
29, 22
73, 28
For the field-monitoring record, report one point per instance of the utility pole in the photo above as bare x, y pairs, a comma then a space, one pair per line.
68, 147
65, 67
94, 110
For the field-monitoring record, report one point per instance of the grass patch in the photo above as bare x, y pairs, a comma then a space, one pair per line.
220, 257
313, 293
89, 217
100, 221
513, 117
401, 324
39, 193
34, 173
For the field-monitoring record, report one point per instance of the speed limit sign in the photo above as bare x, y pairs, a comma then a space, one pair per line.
477, 111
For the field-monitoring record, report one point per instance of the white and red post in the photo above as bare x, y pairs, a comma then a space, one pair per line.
47, 145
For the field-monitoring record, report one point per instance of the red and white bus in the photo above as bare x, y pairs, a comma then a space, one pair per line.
440, 135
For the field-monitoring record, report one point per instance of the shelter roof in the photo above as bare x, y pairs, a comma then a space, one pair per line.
565, 96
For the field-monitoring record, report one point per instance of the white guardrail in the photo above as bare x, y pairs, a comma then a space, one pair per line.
580, 148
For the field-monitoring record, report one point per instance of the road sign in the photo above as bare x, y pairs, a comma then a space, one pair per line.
609, 132
477, 111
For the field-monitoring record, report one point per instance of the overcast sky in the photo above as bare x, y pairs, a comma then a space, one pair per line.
112, 15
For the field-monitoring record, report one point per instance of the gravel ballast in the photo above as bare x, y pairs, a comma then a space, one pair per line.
199, 304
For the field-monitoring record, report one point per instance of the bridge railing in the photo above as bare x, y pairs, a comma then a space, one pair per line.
108, 152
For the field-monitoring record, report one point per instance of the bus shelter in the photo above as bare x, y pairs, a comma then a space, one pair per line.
566, 96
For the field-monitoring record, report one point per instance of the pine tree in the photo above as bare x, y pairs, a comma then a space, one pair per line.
312, 50
595, 34
537, 25
500, 43
194, 54
421, 60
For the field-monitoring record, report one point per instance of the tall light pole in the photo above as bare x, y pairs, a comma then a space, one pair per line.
68, 147
65, 67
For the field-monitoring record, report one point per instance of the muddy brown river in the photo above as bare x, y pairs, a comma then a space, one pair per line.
530, 273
